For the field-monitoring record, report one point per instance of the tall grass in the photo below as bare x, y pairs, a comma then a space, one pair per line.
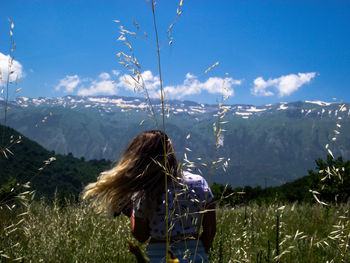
303, 234
75, 233
5, 147
328, 176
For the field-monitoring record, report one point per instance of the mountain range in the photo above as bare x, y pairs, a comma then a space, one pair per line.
263, 145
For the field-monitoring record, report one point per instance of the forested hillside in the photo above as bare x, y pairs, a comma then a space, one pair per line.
331, 179
48, 172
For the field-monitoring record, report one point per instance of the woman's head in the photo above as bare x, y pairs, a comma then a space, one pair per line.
150, 151
142, 167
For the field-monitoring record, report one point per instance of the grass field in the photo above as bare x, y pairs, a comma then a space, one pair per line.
75, 233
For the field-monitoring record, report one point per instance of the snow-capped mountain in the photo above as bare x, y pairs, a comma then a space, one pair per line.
117, 103
275, 141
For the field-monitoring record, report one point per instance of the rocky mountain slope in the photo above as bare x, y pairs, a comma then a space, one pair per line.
268, 144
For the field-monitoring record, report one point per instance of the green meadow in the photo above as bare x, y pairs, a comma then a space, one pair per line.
35, 231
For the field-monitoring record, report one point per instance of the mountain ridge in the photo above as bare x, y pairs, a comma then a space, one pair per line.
274, 142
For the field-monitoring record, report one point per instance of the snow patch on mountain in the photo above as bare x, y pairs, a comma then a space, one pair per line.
283, 106
318, 102
243, 113
254, 109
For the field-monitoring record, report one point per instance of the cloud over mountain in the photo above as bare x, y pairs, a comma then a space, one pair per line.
16, 68
146, 79
111, 84
190, 86
103, 85
68, 84
284, 85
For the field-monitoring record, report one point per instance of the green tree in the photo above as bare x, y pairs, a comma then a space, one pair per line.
9, 191
333, 179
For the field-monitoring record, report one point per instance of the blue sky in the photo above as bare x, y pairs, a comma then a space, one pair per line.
268, 51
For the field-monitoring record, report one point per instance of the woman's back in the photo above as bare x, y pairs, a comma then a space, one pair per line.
186, 201
138, 181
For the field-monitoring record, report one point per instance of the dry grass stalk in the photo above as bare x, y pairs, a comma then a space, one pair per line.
5, 147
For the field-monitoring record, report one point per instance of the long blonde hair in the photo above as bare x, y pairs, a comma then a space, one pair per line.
141, 169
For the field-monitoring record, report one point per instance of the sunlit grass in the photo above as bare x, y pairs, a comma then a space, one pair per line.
248, 234
75, 233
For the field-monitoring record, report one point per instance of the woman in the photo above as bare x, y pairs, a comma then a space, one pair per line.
140, 177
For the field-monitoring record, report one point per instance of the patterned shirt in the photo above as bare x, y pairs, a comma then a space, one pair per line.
185, 202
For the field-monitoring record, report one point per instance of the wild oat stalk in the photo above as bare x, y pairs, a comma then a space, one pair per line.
163, 98
130, 62
341, 235
218, 131
341, 232
134, 67
6, 147
17, 228
166, 172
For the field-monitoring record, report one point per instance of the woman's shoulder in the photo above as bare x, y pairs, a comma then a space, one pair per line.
188, 176
194, 180
198, 184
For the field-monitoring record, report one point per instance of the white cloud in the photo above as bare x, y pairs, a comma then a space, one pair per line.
115, 72
69, 83
285, 85
190, 86
102, 85
16, 68
105, 86
260, 86
190, 76
151, 82
193, 86
104, 76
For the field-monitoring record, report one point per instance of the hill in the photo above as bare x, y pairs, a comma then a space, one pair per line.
64, 175
333, 187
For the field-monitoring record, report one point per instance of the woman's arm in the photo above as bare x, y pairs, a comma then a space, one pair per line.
139, 228
127, 210
209, 226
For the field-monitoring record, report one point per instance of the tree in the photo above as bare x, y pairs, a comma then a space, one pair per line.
9, 191
333, 176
